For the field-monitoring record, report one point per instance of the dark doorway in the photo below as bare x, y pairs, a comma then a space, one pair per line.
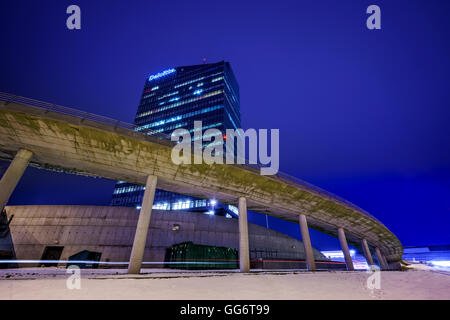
51, 253
87, 256
7, 255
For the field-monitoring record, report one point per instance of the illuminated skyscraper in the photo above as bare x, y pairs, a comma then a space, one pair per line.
175, 98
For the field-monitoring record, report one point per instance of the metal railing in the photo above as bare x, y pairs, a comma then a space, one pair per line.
9, 98
83, 115
322, 192
325, 193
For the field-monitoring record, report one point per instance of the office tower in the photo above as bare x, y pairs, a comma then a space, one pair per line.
175, 98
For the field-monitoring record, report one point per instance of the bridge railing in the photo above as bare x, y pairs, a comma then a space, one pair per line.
9, 98
320, 191
326, 193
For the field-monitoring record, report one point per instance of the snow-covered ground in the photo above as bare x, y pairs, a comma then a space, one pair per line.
420, 282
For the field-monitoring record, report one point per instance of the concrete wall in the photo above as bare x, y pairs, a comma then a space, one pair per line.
6, 244
110, 230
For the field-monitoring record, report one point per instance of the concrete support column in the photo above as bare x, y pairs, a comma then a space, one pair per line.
395, 265
12, 175
344, 246
367, 253
307, 242
244, 256
380, 258
385, 262
140, 238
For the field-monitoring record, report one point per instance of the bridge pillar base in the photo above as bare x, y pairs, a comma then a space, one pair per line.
367, 253
385, 262
140, 238
395, 265
344, 246
381, 259
12, 175
244, 256
307, 243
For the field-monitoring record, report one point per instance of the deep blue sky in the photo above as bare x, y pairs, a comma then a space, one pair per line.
364, 114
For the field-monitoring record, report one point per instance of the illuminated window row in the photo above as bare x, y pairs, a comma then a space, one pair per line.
173, 119
188, 82
204, 136
179, 125
206, 127
216, 79
161, 206
172, 127
197, 92
233, 209
195, 80
148, 96
185, 94
128, 189
168, 95
160, 122
183, 205
179, 103
218, 124
180, 205
149, 90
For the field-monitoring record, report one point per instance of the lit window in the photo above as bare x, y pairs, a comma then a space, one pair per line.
216, 79
233, 209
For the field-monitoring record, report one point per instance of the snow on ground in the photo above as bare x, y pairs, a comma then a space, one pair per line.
50, 283
428, 267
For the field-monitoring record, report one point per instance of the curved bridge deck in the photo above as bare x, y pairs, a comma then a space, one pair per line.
73, 141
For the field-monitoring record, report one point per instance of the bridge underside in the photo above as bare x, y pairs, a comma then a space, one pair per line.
69, 144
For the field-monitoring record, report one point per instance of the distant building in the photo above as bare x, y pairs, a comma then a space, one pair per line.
175, 98
435, 255
359, 261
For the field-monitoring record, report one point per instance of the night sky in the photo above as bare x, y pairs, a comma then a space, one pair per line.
362, 113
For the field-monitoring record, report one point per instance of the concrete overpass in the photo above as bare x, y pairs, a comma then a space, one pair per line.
68, 140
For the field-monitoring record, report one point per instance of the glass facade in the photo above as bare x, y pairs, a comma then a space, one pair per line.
175, 98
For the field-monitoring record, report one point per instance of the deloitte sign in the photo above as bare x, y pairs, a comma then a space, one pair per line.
161, 74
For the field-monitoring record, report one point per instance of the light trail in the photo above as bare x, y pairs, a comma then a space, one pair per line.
203, 261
